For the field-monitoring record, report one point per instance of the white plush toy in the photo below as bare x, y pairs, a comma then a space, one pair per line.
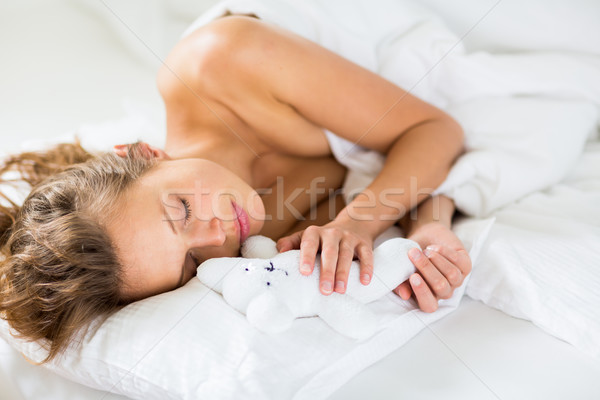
268, 287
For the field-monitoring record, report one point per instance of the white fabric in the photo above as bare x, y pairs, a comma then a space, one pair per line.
189, 343
483, 92
542, 259
516, 26
110, 359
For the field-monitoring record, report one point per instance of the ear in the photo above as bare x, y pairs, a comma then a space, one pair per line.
147, 150
214, 271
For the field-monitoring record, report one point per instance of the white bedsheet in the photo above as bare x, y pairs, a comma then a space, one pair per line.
542, 260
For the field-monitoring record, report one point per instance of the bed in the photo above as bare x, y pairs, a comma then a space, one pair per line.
524, 329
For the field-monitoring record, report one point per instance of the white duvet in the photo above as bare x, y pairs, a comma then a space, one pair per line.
527, 118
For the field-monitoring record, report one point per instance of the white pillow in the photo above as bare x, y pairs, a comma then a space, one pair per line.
189, 343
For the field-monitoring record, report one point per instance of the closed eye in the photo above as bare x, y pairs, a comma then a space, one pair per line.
188, 209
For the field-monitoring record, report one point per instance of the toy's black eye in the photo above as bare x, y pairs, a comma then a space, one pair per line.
246, 269
268, 283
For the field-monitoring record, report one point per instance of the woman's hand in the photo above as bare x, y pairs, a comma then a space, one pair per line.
442, 267
339, 244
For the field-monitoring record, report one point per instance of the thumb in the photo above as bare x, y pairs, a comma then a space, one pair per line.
403, 290
289, 242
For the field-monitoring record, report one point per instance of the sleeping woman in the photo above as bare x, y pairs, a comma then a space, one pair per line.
245, 153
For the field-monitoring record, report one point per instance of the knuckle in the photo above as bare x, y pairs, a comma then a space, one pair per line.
306, 245
347, 235
327, 275
454, 276
366, 249
330, 250
346, 247
468, 264
468, 268
366, 267
311, 229
430, 308
342, 270
331, 232
327, 270
440, 286
452, 255
422, 262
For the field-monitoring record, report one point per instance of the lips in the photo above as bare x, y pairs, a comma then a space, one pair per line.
243, 222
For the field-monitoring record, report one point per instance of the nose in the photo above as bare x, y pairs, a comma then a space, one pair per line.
205, 234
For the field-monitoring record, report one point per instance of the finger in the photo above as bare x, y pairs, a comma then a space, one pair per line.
329, 256
404, 290
458, 257
344, 261
464, 262
308, 250
289, 242
365, 255
425, 298
452, 273
434, 278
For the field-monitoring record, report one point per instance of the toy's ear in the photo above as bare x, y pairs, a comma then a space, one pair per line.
212, 272
259, 246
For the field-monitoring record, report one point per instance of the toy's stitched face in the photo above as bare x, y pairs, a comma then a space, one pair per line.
269, 275
252, 278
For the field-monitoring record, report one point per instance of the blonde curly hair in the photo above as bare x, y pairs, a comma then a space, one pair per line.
58, 267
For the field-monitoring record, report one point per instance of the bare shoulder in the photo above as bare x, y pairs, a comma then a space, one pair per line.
319, 85
208, 66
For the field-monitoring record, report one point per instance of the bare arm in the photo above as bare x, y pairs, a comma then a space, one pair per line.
421, 141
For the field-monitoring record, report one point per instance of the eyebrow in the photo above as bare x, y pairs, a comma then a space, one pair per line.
164, 213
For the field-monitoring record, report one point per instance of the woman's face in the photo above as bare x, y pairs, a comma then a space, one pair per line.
177, 215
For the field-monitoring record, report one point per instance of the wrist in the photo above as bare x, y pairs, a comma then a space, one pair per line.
366, 228
435, 210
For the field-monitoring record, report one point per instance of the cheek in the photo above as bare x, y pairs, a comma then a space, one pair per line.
256, 211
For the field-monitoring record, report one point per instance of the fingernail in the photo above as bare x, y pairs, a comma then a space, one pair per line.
365, 278
428, 252
415, 280
414, 253
305, 268
339, 285
433, 247
326, 286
